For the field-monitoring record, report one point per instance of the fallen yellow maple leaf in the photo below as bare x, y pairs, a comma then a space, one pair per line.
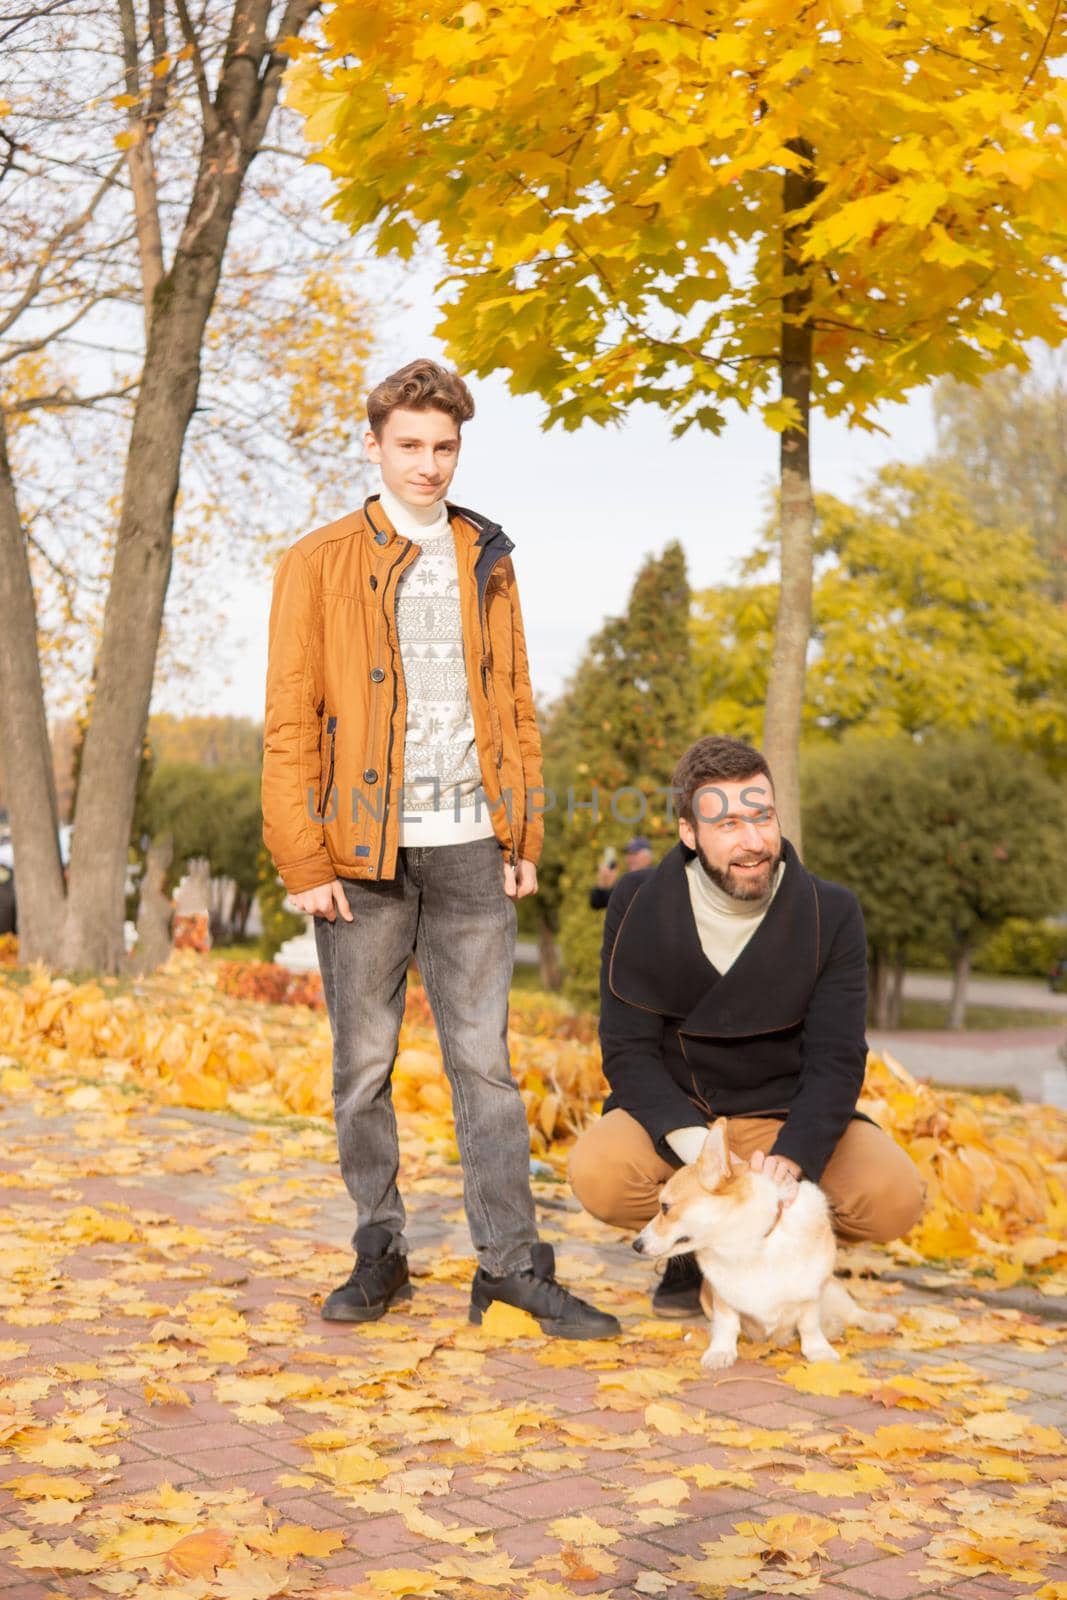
670, 1420
401, 1581
198, 1555
293, 1539
998, 1425
664, 1492
508, 1322
35, 1485
845, 1483
582, 1530
829, 1378
64, 1557
583, 1565
159, 1393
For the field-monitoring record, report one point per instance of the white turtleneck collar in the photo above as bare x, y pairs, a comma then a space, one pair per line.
725, 905
415, 522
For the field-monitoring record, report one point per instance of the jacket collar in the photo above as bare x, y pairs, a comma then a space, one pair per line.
474, 529
657, 962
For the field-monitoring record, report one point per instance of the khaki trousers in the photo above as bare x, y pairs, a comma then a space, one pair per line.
873, 1186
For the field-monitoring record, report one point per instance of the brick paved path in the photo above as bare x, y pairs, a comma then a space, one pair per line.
121, 1274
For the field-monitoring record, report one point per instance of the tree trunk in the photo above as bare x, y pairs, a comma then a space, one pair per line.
961, 971
896, 991
792, 629
880, 989
241, 912
550, 968
87, 930
25, 749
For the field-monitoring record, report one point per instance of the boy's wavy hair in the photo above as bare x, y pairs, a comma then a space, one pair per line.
420, 386
714, 759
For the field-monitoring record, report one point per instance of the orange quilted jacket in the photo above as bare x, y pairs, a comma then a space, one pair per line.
336, 708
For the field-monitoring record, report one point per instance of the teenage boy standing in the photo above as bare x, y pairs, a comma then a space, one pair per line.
400, 744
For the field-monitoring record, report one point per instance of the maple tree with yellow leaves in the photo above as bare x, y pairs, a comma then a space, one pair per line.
697, 204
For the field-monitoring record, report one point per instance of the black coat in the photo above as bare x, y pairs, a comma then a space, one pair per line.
781, 1033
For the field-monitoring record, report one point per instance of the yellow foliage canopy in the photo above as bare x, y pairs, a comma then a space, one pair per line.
607, 182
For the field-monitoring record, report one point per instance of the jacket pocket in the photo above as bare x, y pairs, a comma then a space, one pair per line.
324, 797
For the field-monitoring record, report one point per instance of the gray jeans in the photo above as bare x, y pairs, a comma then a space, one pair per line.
447, 906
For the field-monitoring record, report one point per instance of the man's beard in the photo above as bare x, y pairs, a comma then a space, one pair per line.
744, 887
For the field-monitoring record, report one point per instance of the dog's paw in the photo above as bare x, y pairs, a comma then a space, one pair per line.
716, 1360
818, 1350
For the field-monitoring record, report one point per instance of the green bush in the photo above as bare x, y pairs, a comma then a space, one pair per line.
581, 934
1023, 948
278, 924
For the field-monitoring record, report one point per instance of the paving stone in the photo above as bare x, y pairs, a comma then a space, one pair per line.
554, 1497
140, 1476
227, 1463
776, 1414
215, 1435
890, 1578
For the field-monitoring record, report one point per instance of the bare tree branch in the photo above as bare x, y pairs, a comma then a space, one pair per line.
34, 14
61, 399
161, 78
142, 167
26, 347
191, 37
68, 230
294, 19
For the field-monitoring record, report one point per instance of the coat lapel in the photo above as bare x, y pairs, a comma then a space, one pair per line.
658, 964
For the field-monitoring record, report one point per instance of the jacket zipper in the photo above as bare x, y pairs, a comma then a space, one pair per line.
392, 713
513, 857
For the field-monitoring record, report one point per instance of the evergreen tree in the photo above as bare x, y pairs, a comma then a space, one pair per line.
615, 735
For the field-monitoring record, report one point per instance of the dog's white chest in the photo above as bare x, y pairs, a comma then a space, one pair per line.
779, 1272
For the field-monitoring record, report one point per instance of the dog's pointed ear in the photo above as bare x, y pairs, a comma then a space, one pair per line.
713, 1162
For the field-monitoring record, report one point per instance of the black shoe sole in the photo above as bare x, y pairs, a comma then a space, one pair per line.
675, 1311
343, 1313
552, 1330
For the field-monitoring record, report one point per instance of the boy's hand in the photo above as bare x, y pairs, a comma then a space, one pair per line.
325, 900
520, 883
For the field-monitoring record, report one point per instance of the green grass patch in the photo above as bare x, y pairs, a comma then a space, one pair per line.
931, 1015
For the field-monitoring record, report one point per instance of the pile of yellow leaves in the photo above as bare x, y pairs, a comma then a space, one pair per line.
996, 1171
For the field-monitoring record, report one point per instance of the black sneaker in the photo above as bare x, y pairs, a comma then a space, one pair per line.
379, 1277
558, 1312
678, 1291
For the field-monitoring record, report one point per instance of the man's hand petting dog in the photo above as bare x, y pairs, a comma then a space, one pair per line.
785, 1173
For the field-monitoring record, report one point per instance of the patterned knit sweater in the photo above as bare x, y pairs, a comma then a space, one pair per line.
441, 768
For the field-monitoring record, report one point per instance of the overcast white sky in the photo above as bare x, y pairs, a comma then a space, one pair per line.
584, 509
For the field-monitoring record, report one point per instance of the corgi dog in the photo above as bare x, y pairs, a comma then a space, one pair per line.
766, 1264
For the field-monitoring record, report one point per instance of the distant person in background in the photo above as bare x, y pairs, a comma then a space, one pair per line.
638, 854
